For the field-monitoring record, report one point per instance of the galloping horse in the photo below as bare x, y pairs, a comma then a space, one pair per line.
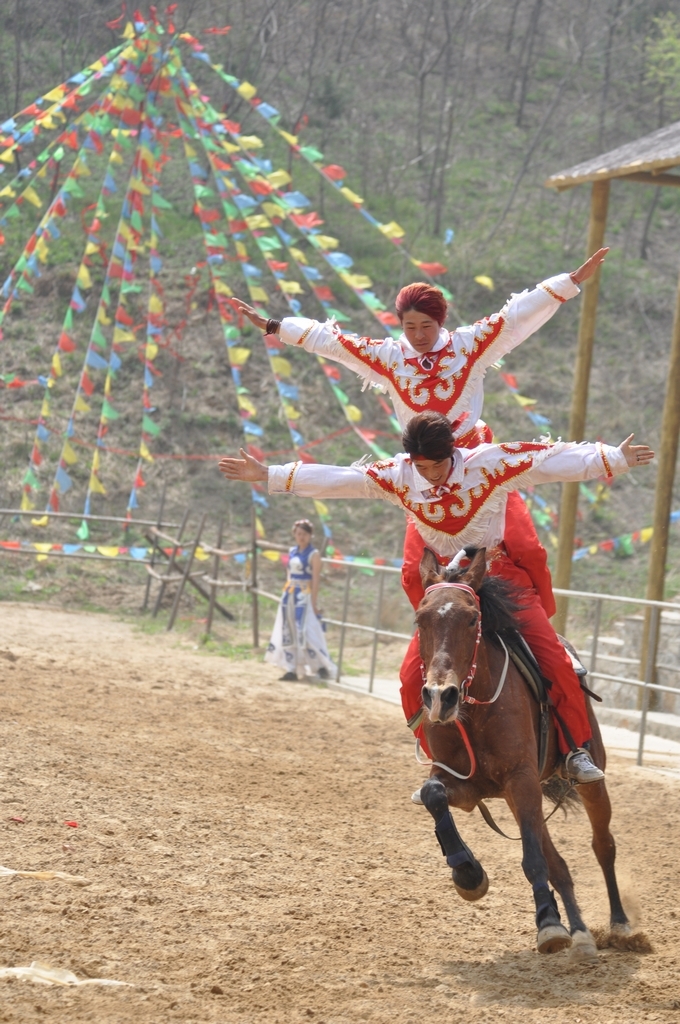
461, 621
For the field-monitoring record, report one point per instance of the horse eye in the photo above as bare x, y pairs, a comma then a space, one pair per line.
473, 620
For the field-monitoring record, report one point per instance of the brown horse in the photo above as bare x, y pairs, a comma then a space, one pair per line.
460, 620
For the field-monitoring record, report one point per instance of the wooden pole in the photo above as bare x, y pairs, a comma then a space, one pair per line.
579, 402
253, 581
667, 459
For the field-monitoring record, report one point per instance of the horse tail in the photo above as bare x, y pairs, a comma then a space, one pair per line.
561, 793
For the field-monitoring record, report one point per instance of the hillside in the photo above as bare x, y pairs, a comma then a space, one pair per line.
447, 117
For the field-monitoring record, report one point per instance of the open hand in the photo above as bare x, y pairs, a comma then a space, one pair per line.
242, 307
588, 268
636, 454
246, 468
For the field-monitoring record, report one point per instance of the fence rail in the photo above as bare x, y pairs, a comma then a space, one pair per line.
646, 685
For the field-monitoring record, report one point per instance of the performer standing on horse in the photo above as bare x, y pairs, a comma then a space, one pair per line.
458, 497
431, 368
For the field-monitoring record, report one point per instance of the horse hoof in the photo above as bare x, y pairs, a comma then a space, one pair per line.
474, 894
583, 948
621, 930
553, 938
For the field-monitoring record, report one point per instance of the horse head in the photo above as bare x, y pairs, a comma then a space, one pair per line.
449, 626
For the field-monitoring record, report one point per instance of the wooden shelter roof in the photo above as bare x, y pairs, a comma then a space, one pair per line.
641, 160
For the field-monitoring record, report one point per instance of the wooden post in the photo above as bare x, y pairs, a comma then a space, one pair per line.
665, 475
171, 562
253, 582
159, 523
216, 575
185, 575
579, 402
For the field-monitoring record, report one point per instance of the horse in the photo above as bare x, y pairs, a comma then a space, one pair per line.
491, 750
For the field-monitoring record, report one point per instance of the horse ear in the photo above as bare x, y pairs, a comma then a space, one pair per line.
429, 569
476, 570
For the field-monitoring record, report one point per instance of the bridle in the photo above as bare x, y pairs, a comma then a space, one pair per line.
467, 682
465, 697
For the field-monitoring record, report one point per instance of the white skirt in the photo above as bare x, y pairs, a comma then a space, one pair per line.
298, 642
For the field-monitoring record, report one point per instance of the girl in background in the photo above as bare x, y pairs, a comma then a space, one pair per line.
298, 642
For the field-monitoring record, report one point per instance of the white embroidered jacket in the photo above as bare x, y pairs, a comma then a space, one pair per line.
450, 377
469, 509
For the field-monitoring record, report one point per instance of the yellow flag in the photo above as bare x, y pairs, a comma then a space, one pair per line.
241, 250
91, 248
55, 94
129, 31
352, 196
8, 155
201, 554
250, 141
155, 303
81, 405
358, 281
321, 509
291, 139
41, 558
32, 196
115, 157
109, 552
392, 230
246, 404
272, 556
26, 504
646, 534
222, 289
42, 548
239, 356
42, 250
96, 486
84, 280
326, 242
8, 191
68, 454
290, 412
258, 294
102, 317
120, 335
43, 521
145, 453
486, 282
524, 402
281, 366
138, 186
151, 351
297, 254
353, 414
259, 528
56, 365
290, 288
277, 179
96, 459
257, 221
246, 90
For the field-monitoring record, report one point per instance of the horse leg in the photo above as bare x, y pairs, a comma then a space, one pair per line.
595, 799
469, 877
583, 943
523, 794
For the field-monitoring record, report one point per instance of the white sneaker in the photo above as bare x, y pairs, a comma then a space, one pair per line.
579, 767
415, 798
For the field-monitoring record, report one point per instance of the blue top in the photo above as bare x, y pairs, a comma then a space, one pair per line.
298, 564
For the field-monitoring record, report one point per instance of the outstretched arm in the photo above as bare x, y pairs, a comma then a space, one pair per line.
589, 461
307, 481
369, 357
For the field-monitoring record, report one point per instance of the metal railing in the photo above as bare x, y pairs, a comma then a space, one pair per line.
646, 685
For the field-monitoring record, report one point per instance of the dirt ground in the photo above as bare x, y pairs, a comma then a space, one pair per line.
254, 855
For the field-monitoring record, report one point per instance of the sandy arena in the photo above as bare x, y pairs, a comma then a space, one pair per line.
254, 855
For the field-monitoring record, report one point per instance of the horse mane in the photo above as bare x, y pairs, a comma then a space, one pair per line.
499, 601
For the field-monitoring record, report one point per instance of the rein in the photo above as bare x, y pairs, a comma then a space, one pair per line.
465, 686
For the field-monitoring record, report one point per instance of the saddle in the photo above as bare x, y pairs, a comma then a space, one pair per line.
539, 687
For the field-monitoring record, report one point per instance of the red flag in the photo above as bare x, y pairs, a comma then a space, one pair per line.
66, 343
335, 172
217, 31
117, 22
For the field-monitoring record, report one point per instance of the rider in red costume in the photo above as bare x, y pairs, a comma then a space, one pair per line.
431, 368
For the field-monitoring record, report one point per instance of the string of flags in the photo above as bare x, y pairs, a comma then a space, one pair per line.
253, 222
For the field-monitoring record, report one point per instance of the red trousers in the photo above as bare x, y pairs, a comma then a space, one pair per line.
553, 660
